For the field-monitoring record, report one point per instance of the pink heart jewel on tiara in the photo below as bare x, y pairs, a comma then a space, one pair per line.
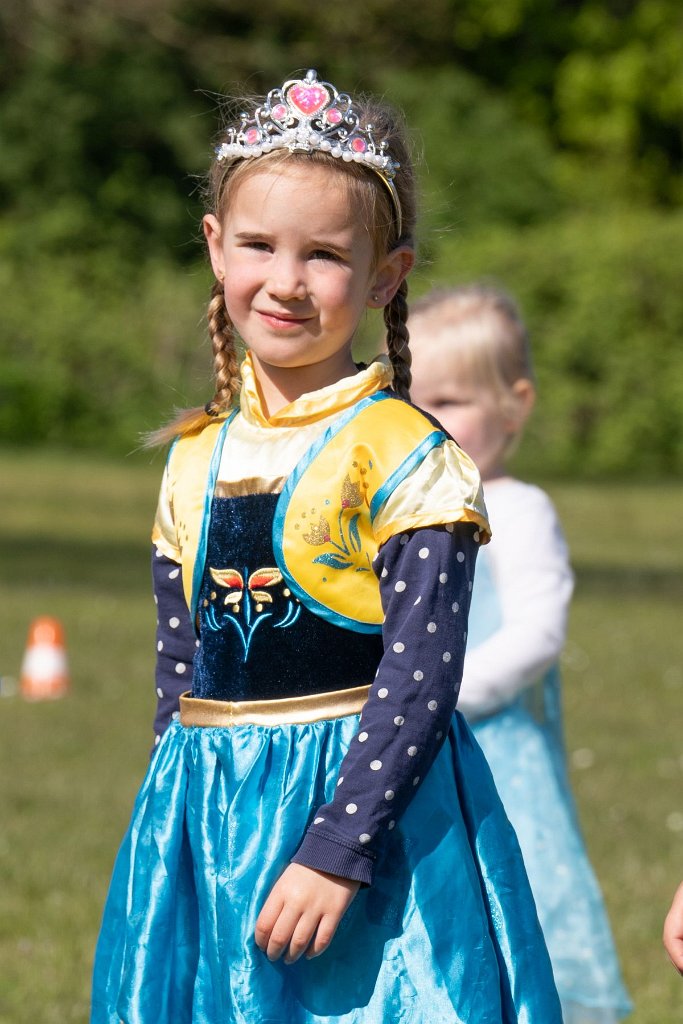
308, 99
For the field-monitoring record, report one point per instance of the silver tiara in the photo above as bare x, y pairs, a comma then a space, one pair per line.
305, 115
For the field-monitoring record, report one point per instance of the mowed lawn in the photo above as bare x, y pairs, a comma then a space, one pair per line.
74, 543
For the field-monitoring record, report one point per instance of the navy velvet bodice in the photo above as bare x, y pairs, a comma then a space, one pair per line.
258, 641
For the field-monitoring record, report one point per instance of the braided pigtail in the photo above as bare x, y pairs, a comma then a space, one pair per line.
226, 365
395, 317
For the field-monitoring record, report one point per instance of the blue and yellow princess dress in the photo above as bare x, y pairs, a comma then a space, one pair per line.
282, 528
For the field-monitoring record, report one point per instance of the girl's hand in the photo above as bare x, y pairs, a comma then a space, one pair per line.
673, 930
302, 913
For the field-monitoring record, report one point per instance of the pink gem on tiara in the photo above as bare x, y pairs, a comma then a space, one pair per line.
279, 112
308, 98
358, 145
333, 116
252, 136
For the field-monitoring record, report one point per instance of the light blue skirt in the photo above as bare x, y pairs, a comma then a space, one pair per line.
528, 767
447, 933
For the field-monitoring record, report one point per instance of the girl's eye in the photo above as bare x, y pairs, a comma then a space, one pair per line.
324, 254
253, 243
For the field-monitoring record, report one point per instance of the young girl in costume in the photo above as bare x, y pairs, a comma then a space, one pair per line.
314, 788
472, 370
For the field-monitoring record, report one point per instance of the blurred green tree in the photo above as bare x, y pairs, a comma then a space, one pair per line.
541, 121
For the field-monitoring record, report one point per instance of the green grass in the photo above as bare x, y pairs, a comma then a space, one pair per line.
74, 543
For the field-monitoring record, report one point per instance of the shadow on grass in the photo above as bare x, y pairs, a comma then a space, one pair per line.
629, 581
105, 565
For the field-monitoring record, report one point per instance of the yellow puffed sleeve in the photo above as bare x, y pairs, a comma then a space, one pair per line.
164, 533
445, 487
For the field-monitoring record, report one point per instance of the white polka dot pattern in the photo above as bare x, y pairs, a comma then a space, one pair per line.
175, 640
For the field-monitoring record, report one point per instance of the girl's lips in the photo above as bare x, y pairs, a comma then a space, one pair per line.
282, 321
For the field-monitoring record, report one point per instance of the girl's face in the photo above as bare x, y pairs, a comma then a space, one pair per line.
299, 271
471, 414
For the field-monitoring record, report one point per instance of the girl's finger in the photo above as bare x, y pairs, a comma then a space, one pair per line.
327, 926
301, 938
282, 931
266, 920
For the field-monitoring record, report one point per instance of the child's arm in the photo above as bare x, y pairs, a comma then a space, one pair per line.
673, 930
534, 583
175, 639
425, 581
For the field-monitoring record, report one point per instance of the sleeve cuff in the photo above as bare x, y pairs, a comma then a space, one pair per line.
325, 853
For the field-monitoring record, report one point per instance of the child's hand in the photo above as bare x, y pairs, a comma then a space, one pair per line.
302, 913
673, 930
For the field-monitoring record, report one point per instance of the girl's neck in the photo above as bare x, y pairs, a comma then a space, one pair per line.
279, 386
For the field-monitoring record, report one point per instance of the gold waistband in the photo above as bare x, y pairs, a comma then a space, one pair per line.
292, 710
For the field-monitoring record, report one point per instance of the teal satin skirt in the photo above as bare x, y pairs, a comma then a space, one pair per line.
447, 933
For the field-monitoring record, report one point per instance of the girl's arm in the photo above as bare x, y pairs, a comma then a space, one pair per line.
673, 930
425, 582
534, 583
175, 639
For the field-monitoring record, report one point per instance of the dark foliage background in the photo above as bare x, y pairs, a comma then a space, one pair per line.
552, 159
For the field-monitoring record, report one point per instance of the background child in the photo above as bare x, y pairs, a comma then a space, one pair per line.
472, 370
322, 536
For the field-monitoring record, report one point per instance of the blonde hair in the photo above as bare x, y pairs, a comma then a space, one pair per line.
367, 194
481, 326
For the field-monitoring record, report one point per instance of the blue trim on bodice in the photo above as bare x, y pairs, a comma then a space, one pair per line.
200, 560
406, 467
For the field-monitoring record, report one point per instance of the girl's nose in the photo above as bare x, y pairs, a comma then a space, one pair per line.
286, 280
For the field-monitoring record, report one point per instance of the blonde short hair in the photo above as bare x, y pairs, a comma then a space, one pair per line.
481, 326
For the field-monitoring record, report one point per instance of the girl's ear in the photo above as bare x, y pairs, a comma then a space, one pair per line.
213, 234
524, 398
390, 272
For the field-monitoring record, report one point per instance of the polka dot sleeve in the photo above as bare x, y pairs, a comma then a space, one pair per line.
176, 642
425, 583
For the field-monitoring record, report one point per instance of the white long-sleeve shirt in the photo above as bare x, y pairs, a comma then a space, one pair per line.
529, 563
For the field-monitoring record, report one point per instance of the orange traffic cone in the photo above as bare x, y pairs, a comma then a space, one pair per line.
44, 673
